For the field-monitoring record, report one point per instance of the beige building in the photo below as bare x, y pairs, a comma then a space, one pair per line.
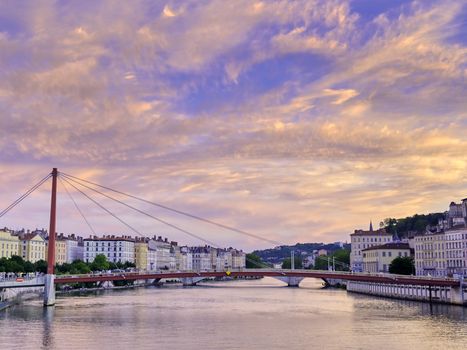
32, 247
360, 240
60, 251
378, 258
141, 254
430, 254
9, 245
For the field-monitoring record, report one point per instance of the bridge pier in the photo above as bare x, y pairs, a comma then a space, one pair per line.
191, 281
49, 290
156, 282
457, 295
106, 284
290, 280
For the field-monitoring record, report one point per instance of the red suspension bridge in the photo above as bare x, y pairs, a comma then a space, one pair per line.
291, 277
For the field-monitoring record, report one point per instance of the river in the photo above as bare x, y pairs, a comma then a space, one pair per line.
259, 314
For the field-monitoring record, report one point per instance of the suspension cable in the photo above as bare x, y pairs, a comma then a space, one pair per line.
77, 207
144, 213
105, 209
25, 195
196, 217
67, 180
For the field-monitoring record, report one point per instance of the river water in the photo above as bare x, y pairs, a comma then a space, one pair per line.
259, 314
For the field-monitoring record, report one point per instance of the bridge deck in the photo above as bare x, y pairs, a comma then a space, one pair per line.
363, 277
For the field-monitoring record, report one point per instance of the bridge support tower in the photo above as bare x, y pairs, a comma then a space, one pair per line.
49, 289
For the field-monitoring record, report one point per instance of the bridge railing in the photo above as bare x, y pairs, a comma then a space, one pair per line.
331, 274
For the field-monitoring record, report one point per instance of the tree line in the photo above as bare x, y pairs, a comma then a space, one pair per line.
17, 264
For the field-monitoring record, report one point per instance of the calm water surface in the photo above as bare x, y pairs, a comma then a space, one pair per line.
259, 314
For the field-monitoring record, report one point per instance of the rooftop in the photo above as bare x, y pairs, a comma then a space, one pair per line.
391, 245
381, 231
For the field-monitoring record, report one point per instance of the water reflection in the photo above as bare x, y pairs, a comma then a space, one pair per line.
48, 318
243, 314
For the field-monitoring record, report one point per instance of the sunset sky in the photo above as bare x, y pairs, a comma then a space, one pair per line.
295, 120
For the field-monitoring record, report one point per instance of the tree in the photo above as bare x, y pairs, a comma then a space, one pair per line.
253, 261
13, 266
287, 265
402, 266
341, 260
40, 266
80, 267
100, 263
29, 266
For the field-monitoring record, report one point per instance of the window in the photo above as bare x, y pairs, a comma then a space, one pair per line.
384, 253
389, 253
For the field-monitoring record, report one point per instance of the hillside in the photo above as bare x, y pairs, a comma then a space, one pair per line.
278, 254
412, 224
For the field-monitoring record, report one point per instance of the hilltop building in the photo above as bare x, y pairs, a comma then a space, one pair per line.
360, 240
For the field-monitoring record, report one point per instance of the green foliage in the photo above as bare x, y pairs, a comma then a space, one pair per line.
253, 261
17, 264
341, 259
100, 263
415, 223
29, 266
402, 266
286, 263
40, 266
278, 254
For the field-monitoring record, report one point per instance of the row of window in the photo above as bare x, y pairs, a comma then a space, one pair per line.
456, 237
88, 243
373, 239
429, 255
12, 245
384, 254
435, 264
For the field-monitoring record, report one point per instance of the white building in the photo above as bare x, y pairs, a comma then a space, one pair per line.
378, 258
360, 240
152, 258
456, 251
74, 248
201, 259
238, 259
162, 247
223, 260
186, 259
115, 249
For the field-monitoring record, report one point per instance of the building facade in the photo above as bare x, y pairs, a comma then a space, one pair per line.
114, 248
141, 254
9, 245
430, 254
162, 249
32, 247
361, 240
201, 259
456, 251
379, 258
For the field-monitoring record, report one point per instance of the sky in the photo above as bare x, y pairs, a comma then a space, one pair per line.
298, 121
